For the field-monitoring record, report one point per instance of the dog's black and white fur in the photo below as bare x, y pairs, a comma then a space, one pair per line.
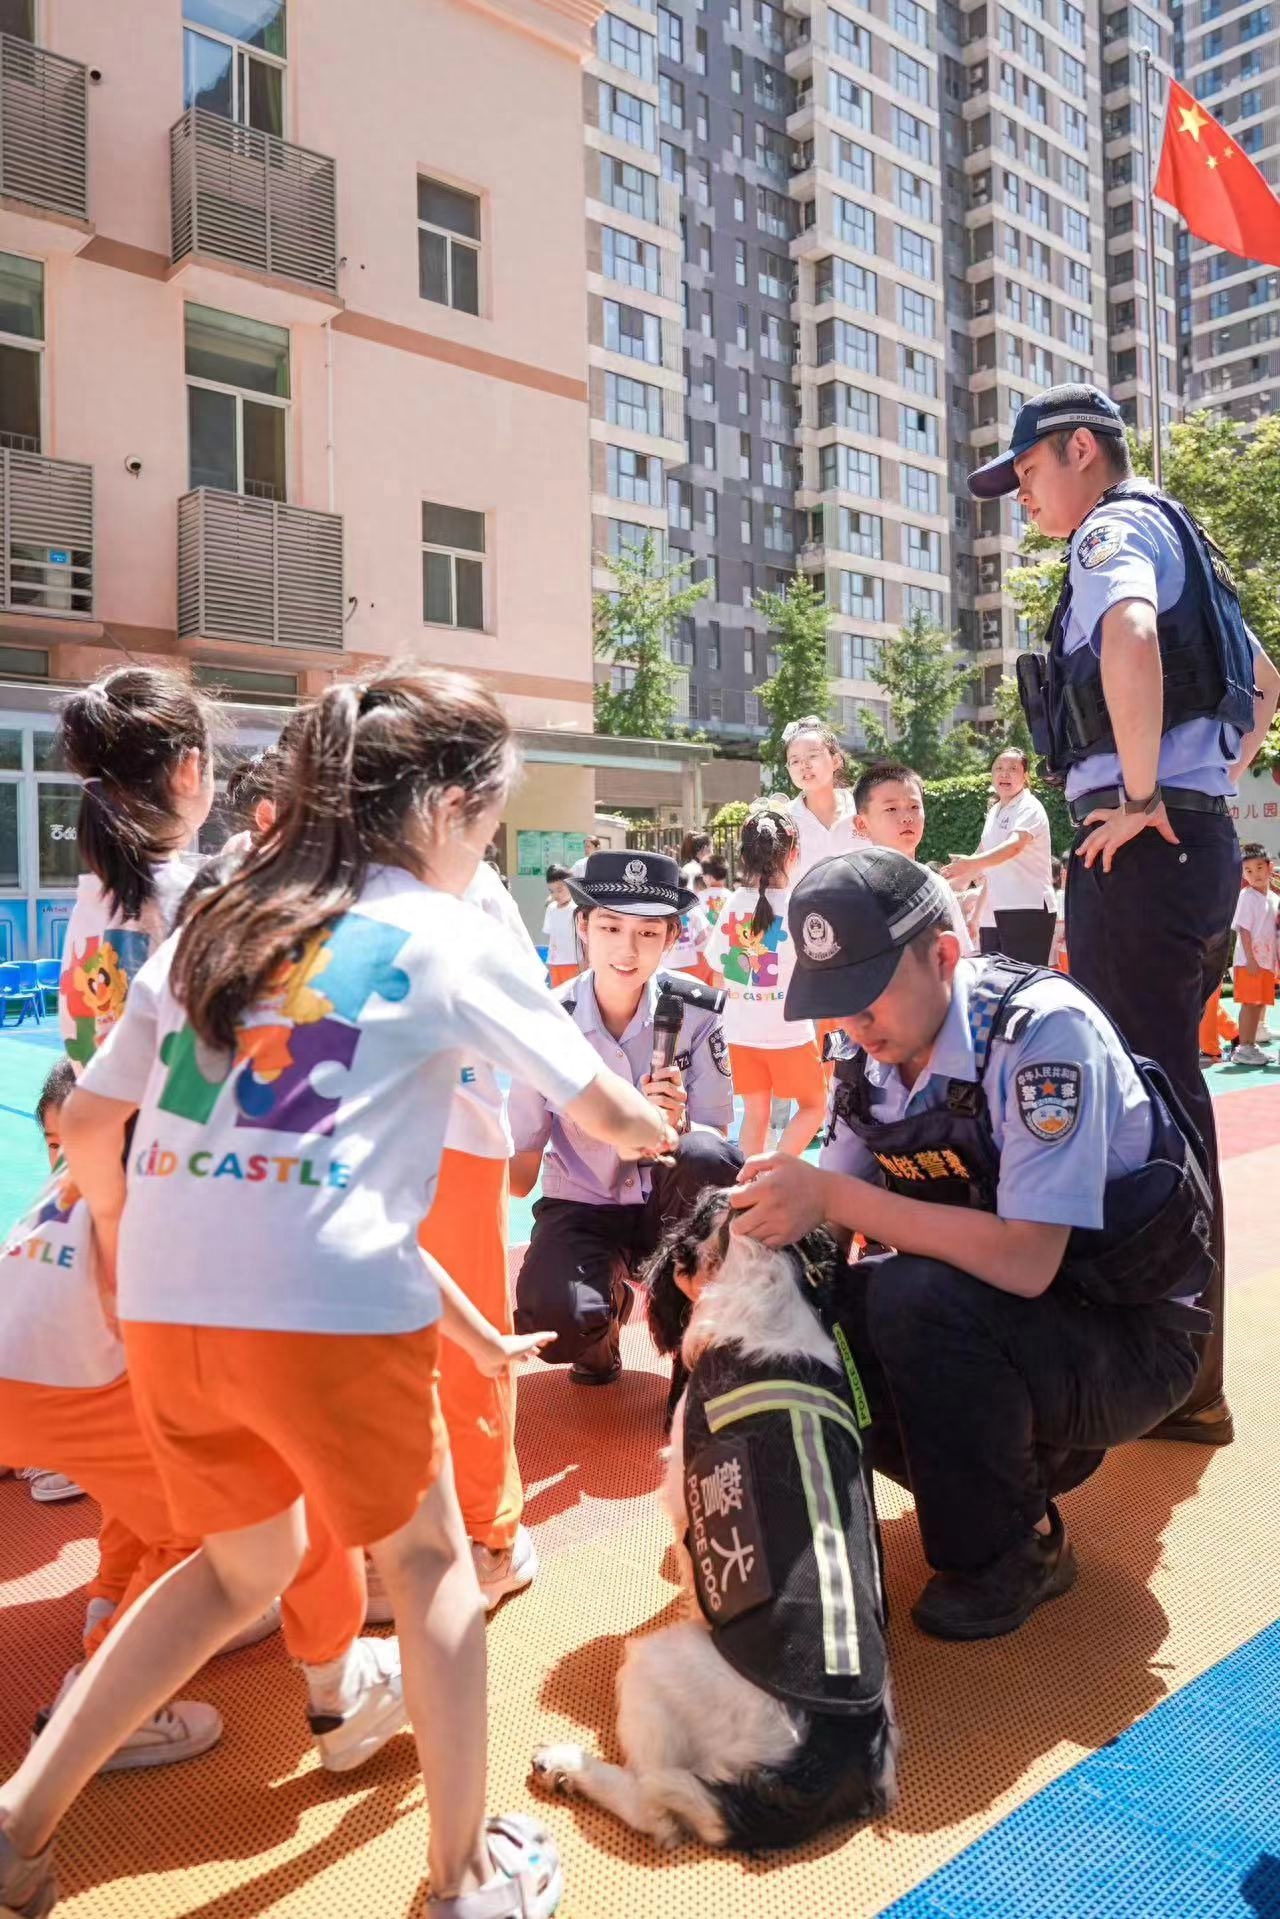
708, 1752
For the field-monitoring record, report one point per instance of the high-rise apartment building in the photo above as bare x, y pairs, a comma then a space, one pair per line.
1230, 61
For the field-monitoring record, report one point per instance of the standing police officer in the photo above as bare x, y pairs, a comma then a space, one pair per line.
1151, 701
1051, 1218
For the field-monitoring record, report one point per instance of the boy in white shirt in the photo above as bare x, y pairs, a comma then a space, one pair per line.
1255, 967
888, 804
559, 933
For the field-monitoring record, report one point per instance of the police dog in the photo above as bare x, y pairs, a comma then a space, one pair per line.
709, 1751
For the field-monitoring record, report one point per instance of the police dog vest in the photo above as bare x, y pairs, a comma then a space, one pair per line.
782, 1531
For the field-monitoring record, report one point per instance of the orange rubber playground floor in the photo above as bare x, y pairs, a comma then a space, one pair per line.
1016, 1800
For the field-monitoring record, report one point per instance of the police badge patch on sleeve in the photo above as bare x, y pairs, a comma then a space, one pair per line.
1049, 1099
718, 1047
725, 1537
1100, 544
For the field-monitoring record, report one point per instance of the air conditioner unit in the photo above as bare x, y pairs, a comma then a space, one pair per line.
981, 307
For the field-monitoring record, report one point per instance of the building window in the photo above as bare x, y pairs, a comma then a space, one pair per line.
680, 505
916, 312
851, 406
777, 528
855, 164
918, 430
670, 35
912, 194
913, 252
921, 549
744, 520
625, 46
634, 476
633, 262
849, 102
861, 595
21, 352
863, 534
708, 509
233, 60
453, 548
848, 469
850, 42
237, 403
628, 188
630, 331
922, 599
744, 392
448, 246
912, 136
852, 286
633, 404
851, 345
671, 101
773, 213
628, 536
910, 20
627, 117
919, 489
910, 77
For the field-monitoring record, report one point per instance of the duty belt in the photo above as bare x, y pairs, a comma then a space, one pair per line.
1178, 799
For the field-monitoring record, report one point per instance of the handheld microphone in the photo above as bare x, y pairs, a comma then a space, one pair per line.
668, 1017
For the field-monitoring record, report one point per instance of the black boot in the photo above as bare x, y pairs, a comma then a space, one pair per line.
999, 1598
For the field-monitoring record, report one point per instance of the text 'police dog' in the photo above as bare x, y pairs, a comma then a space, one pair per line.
765, 1715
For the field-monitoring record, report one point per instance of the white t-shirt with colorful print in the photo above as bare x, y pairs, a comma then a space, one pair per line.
103, 951
54, 1327
757, 969
280, 1186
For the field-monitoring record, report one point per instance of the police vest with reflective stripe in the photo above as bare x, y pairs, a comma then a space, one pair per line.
1153, 1245
782, 1531
1205, 655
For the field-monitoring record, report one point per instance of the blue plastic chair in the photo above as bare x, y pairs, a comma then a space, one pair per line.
29, 982
48, 975
17, 996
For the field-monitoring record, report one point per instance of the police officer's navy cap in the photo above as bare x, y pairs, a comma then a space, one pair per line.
646, 885
1059, 410
850, 919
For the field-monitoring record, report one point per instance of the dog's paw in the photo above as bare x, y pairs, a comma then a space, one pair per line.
557, 1769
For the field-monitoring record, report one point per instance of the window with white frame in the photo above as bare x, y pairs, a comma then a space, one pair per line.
855, 164
622, 45
448, 246
453, 561
233, 61
237, 403
919, 489
21, 352
634, 476
631, 331
632, 403
635, 263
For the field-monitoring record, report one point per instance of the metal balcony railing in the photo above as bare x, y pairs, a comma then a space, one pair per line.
46, 536
256, 201
258, 571
44, 134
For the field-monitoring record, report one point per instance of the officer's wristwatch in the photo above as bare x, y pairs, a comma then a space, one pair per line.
1146, 807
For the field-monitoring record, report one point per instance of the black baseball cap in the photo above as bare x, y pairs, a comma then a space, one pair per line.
1059, 410
645, 885
851, 918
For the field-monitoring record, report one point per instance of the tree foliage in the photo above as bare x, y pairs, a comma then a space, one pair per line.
802, 683
924, 679
955, 812
633, 623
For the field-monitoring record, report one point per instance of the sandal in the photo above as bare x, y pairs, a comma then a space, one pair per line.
530, 1885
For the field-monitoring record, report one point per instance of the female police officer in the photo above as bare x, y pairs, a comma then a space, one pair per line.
1050, 1216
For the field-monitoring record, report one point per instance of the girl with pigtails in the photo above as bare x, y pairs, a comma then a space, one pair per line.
751, 953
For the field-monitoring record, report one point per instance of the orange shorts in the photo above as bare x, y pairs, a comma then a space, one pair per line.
240, 1422
787, 1072
559, 974
1254, 989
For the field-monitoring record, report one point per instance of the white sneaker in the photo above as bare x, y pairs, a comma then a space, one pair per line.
181, 1730
96, 1614
355, 1711
1249, 1056
378, 1611
506, 1572
50, 1488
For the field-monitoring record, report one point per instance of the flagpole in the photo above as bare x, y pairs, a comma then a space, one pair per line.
1149, 214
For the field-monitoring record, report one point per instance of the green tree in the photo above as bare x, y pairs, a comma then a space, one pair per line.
1011, 727
633, 622
923, 679
802, 683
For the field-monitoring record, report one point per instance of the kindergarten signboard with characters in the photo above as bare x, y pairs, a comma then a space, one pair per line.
1256, 811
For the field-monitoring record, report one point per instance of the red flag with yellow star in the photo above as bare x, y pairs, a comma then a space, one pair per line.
1214, 184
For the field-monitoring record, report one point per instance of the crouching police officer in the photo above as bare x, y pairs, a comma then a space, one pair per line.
600, 1217
1151, 700
1050, 1210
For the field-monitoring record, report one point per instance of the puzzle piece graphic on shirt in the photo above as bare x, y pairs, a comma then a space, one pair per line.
188, 1090
292, 1102
752, 958
83, 1044
360, 954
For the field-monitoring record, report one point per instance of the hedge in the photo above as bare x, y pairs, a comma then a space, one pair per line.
956, 810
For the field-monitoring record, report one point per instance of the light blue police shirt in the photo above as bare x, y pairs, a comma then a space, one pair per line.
1058, 1179
1129, 550
574, 1165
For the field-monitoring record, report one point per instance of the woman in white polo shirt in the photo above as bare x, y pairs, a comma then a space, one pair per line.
1015, 856
823, 809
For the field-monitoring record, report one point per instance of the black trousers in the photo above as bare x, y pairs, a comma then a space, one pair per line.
1021, 932
988, 1405
1148, 940
567, 1282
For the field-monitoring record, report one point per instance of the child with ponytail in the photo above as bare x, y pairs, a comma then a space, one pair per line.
750, 949
291, 1057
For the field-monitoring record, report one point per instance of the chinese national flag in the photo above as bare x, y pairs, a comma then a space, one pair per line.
1214, 184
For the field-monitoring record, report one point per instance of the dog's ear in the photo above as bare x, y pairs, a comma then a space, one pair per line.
668, 1307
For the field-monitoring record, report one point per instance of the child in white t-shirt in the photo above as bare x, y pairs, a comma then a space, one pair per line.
291, 1058
559, 932
1255, 961
751, 953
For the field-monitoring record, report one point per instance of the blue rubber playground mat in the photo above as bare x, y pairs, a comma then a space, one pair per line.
1179, 1818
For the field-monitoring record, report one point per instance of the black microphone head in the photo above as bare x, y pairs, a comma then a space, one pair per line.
668, 1014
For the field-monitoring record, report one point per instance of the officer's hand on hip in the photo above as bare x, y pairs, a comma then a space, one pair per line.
1114, 828
778, 1199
